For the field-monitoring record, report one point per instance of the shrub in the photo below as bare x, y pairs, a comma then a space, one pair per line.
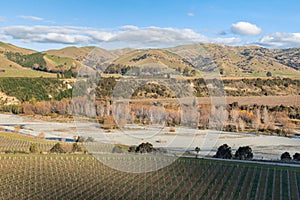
269, 74
117, 149
90, 139
197, 149
285, 156
76, 147
132, 149
57, 148
33, 148
296, 156
83, 139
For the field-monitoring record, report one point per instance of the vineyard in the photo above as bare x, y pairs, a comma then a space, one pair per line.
17, 143
84, 177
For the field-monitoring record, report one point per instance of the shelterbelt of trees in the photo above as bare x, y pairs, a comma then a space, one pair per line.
45, 89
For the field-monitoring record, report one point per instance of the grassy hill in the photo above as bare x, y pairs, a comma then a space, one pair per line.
153, 61
71, 52
230, 61
246, 61
6, 47
11, 68
288, 57
81, 53
59, 64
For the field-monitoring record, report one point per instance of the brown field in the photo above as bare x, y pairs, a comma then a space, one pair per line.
260, 100
265, 100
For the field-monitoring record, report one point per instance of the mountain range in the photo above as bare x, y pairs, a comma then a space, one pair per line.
188, 60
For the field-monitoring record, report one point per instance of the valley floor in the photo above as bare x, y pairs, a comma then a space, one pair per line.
178, 142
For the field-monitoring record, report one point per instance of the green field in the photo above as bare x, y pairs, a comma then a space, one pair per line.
61, 60
26, 73
81, 176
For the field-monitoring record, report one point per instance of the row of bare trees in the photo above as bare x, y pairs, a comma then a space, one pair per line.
231, 117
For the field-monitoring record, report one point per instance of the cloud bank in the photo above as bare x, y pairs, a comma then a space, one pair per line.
129, 35
141, 37
280, 40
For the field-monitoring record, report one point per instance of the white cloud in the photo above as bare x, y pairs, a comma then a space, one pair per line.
47, 34
129, 36
129, 28
158, 37
133, 36
191, 14
220, 32
280, 40
227, 41
245, 28
34, 18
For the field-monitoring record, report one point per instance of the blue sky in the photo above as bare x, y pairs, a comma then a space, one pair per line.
149, 23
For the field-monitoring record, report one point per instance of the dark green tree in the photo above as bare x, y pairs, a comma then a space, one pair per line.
285, 156
296, 156
197, 149
144, 148
244, 153
224, 152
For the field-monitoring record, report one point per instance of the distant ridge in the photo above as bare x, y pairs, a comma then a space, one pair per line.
229, 61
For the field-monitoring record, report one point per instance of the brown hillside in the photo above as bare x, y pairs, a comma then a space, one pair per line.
246, 61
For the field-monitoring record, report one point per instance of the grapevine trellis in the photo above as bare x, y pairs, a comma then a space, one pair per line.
18, 143
84, 177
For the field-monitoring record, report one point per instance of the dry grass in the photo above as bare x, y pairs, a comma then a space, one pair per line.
260, 100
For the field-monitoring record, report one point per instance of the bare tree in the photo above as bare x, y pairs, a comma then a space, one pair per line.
218, 117
257, 120
241, 124
235, 116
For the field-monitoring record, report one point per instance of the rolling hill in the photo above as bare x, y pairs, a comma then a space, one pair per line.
246, 61
71, 52
9, 68
151, 61
189, 60
6, 47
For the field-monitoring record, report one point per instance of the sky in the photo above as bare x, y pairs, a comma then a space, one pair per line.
112, 24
